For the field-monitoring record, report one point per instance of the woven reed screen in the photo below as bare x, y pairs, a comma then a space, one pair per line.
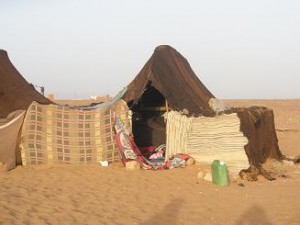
207, 139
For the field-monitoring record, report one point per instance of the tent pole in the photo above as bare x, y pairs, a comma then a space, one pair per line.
167, 106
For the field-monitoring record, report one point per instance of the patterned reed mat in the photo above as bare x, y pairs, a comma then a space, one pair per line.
58, 134
207, 139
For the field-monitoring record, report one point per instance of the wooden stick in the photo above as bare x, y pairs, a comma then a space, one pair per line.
167, 106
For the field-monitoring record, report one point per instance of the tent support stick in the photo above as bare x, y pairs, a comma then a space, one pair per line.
167, 106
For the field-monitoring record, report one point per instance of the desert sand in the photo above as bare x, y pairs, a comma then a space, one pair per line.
91, 194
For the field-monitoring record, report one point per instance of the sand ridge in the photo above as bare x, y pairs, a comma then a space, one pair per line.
91, 194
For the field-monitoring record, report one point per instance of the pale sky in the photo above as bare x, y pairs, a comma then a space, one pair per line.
79, 48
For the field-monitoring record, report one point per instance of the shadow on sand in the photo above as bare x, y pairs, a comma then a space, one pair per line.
168, 215
253, 216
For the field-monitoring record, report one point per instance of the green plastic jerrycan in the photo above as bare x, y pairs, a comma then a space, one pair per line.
219, 173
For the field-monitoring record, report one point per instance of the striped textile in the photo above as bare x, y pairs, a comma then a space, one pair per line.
207, 139
58, 134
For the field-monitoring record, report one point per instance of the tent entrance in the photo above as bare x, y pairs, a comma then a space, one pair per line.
148, 126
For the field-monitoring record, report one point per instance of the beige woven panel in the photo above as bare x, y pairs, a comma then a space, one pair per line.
209, 138
9, 135
59, 134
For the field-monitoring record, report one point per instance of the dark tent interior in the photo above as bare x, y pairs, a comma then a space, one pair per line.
148, 125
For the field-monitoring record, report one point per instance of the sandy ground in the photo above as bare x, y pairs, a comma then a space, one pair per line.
90, 194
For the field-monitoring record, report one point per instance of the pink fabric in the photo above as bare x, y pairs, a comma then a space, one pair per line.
147, 151
159, 154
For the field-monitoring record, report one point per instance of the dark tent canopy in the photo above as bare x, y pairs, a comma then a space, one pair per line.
167, 81
15, 92
168, 76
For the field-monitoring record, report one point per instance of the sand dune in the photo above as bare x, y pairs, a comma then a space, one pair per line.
91, 194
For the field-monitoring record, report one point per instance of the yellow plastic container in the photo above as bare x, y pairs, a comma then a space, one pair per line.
219, 172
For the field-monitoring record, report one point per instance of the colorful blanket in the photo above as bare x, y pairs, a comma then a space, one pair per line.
129, 151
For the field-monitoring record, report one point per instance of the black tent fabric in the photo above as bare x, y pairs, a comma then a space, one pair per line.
171, 74
167, 73
15, 92
257, 124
